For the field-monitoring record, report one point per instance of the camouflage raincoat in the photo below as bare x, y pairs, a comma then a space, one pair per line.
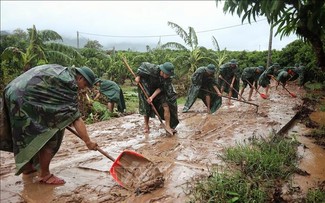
201, 86
40, 103
249, 74
113, 93
265, 77
283, 77
227, 72
151, 80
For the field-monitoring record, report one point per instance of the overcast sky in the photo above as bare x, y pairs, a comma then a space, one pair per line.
140, 22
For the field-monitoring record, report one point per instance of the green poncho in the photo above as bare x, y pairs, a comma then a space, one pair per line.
283, 77
228, 72
113, 93
249, 74
151, 80
40, 103
265, 77
202, 85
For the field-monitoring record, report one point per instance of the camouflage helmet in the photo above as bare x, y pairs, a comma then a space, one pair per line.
211, 68
261, 68
233, 61
88, 74
167, 68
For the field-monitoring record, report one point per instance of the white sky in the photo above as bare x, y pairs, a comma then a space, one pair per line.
140, 18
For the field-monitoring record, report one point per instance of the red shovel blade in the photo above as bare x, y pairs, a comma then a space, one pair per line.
126, 167
293, 95
263, 96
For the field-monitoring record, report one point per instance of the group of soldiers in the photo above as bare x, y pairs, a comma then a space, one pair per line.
38, 105
205, 86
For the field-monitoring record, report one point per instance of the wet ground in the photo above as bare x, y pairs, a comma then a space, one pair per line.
191, 152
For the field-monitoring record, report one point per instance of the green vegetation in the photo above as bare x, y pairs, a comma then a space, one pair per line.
131, 98
316, 195
304, 18
257, 168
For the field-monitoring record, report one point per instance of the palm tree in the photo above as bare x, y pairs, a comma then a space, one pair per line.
192, 55
221, 56
38, 51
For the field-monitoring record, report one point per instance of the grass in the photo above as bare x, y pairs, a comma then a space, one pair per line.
257, 168
131, 98
315, 195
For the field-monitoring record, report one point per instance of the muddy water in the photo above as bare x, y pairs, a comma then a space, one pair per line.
192, 152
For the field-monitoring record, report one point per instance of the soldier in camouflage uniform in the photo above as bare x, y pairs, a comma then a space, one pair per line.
38, 105
229, 79
250, 77
157, 82
204, 86
284, 76
265, 77
113, 94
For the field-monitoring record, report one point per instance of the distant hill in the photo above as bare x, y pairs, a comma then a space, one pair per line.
141, 47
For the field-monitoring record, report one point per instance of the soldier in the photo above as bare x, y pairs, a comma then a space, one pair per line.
229, 79
39, 104
265, 77
113, 94
204, 86
157, 82
250, 76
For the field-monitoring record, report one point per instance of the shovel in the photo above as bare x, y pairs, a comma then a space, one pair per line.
147, 96
261, 94
291, 94
231, 89
130, 170
234, 99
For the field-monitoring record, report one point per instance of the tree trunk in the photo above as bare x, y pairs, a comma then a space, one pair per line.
269, 55
317, 45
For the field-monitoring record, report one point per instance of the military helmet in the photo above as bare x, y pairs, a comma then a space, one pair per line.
88, 74
167, 68
211, 68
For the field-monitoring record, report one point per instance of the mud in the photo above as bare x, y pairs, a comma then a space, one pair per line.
136, 173
192, 152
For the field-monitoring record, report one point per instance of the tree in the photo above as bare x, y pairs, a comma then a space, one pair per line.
306, 18
194, 52
32, 55
93, 44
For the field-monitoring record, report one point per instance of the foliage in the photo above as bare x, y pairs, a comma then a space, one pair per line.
227, 187
316, 195
261, 162
193, 53
93, 44
99, 112
303, 17
273, 158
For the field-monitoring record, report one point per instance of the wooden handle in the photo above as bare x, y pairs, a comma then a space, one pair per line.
98, 148
144, 91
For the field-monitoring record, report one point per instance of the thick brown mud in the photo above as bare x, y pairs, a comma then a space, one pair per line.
192, 152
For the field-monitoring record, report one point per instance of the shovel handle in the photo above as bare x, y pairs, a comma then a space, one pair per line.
231, 88
98, 148
291, 94
246, 102
262, 95
145, 93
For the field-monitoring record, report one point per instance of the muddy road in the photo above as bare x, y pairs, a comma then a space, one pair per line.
191, 152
